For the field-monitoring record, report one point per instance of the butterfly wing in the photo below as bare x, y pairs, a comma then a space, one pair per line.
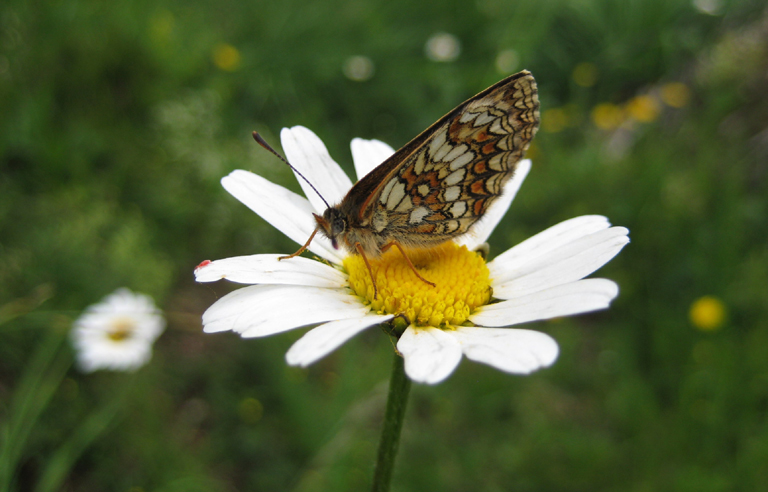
439, 184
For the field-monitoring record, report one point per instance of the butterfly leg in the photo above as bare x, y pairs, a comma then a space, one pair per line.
398, 246
359, 248
303, 248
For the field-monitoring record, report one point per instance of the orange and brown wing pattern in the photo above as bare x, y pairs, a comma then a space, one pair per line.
458, 169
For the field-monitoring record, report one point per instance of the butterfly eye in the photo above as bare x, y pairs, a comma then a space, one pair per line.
334, 223
338, 226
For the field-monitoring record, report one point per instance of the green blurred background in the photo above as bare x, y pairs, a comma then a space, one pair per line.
117, 120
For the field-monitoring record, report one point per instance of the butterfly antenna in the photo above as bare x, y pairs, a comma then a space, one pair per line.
264, 144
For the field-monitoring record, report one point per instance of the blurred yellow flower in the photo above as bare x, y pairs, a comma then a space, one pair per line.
554, 120
250, 410
607, 116
226, 57
161, 26
707, 313
643, 108
675, 94
585, 74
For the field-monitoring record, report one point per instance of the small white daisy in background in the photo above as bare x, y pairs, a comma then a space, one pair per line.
117, 333
464, 315
507, 61
710, 7
358, 68
442, 47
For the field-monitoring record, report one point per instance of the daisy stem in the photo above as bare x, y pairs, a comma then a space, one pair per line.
399, 386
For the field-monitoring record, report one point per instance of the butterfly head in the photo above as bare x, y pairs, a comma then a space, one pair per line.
332, 224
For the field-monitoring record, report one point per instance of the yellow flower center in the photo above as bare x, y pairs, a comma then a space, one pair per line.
121, 329
461, 280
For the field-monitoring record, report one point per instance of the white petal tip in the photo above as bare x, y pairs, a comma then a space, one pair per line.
431, 354
234, 176
200, 274
515, 351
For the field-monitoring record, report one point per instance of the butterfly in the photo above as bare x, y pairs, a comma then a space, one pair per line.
440, 183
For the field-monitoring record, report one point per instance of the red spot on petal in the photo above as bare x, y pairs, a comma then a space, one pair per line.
202, 265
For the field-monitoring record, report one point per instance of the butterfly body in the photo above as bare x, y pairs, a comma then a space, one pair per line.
442, 182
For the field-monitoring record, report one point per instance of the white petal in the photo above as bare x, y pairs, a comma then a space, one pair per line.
321, 341
307, 153
367, 154
549, 239
568, 263
111, 356
574, 298
508, 349
482, 230
124, 301
267, 269
261, 310
431, 354
286, 211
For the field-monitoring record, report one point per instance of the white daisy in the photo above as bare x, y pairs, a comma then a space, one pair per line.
465, 314
117, 333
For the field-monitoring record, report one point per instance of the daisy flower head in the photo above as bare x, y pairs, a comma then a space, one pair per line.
117, 333
467, 313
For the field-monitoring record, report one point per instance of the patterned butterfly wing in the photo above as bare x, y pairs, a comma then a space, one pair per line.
443, 181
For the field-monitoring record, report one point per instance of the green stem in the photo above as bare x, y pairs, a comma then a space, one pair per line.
397, 400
